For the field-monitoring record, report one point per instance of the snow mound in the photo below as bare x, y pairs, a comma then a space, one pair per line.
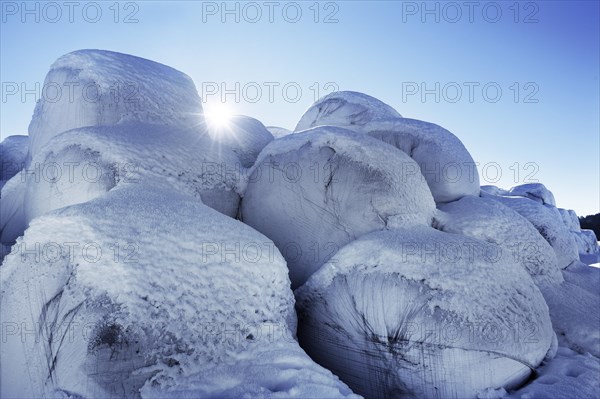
244, 135
13, 151
347, 109
79, 165
278, 132
315, 191
548, 221
97, 87
421, 313
123, 296
534, 191
490, 221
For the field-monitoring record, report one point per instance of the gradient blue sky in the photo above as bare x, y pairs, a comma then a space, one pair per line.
380, 48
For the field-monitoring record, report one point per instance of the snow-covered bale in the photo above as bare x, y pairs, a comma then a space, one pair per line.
278, 132
547, 220
491, 221
534, 191
494, 190
587, 243
138, 293
244, 135
570, 219
13, 151
445, 163
315, 191
97, 87
421, 313
82, 164
347, 109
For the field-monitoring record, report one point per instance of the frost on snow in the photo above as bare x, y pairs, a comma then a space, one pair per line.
119, 280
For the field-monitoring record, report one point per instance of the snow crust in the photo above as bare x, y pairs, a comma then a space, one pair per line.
13, 152
315, 191
278, 132
534, 191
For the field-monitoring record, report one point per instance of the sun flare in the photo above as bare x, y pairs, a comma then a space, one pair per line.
217, 116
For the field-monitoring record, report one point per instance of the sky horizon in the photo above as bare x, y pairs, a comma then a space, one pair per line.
516, 82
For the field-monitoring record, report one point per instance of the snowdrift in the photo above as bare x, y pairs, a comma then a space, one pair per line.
144, 291
534, 191
278, 132
421, 313
97, 87
315, 191
491, 221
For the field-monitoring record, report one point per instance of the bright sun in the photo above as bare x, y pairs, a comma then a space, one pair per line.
217, 116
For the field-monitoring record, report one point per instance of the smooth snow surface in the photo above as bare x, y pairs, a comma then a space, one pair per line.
491, 221
106, 88
278, 132
347, 109
421, 313
244, 135
170, 299
315, 191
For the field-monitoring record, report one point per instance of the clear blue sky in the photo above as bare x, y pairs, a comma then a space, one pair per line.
546, 52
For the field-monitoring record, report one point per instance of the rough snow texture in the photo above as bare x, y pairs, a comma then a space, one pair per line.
347, 109
575, 308
491, 221
586, 242
82, 164
315, 191
548, 221
244, 135
568, 375
278, 132
534, 191
13, 151
157, 306
422, 313
106, 88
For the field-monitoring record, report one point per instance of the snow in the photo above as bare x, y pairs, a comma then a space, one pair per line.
534, 191
315, 191
97, 87
570, 219
244, 135
493, 190
491, 221
278, 132
347, 109
569, 375
159, 306
380, 313
82, 164
13, 151
548, 221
